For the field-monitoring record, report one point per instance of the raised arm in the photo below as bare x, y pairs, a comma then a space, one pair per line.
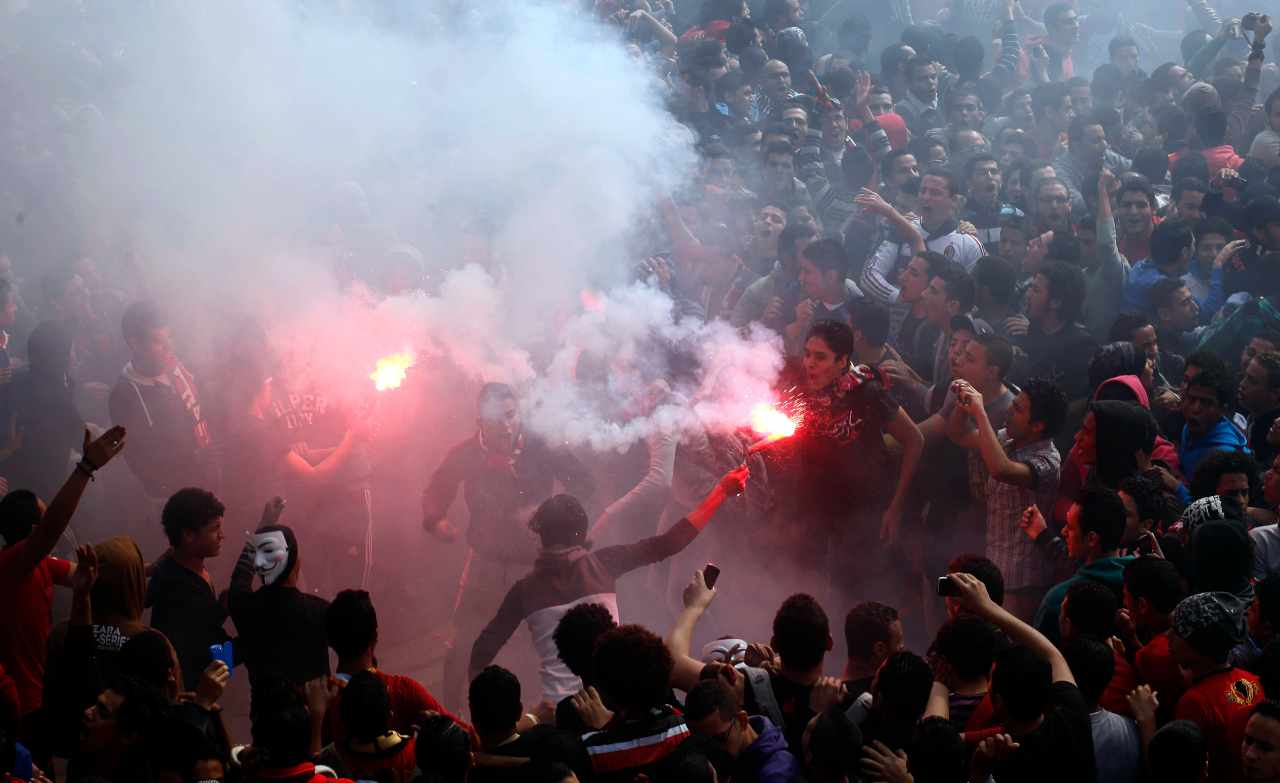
733, 483
874, 281
241, 578
1240, 108
1199, 62
960, 431
1217, 296
661, 33
652, 489
697, 597
973, 596
875, 137
1051, 547
44, 536
628, 557
873, 202
1006, 67
1112, 265
993, 454
1205, 14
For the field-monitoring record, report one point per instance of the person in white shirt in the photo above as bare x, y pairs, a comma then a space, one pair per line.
938, 224
1266, 538
1117, 744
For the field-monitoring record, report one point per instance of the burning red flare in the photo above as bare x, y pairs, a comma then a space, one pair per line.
391, 371
772, 423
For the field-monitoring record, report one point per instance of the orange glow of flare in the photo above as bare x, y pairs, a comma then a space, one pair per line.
772, 423
391, 371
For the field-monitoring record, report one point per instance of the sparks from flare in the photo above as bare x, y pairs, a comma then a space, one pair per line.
772, 423
391, 371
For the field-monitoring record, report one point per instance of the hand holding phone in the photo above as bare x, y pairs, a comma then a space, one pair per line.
223, 652
710, 573
947, 588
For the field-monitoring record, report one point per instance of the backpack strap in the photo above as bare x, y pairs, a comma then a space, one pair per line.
762, 688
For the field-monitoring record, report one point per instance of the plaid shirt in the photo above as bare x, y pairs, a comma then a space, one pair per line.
1007, 546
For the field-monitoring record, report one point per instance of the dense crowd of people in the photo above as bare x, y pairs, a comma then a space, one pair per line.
1024, 272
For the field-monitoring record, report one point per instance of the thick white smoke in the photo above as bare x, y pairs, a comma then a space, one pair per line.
649, 371
254, 155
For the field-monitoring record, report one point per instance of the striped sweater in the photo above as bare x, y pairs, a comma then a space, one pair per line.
620, 752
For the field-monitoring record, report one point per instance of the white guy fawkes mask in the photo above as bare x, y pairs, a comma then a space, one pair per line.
270, 555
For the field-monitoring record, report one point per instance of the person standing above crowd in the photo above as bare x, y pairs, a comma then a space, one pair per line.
567, 573
844, 465
504, 473
156, 398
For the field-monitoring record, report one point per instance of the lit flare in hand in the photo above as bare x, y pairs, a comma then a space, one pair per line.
772, 423
391, 371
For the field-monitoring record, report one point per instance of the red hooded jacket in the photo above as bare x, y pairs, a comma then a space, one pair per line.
1075, 471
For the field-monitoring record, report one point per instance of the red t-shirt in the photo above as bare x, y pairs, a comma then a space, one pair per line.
408, 698
25, 616
1157, 668
983, 718
1220, 704
1218, 158
1116, 697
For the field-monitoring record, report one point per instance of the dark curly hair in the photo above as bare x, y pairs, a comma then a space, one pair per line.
1221, 463
1216, 377
633, 669
189, 510
1152, 500
576, 635
560, 521
1048, 404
